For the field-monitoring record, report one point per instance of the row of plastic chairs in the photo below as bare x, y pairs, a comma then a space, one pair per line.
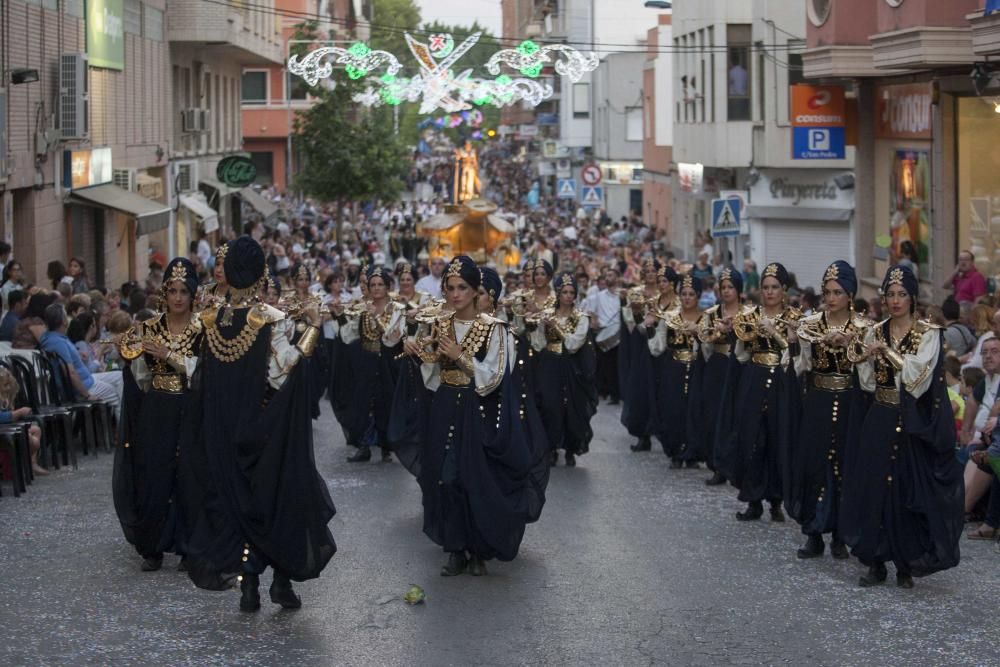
66, 423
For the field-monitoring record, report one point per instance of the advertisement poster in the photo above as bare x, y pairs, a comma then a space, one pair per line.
910, 202
106, 33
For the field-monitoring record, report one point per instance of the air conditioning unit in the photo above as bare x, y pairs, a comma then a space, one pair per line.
3, 135
124, 178
74, 96
187, 176
194, 120
204, 120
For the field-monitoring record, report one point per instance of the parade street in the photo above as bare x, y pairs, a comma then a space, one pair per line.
630, 564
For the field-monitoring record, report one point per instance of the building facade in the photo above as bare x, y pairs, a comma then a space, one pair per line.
927, 129
658, 129
734, 138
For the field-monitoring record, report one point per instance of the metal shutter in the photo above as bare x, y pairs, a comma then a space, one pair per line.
806, 248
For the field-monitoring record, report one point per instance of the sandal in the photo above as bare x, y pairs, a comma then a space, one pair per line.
990, 533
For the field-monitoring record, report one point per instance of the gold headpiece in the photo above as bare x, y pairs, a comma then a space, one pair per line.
454, 269
727, 274
177, 273
376, 273
303, 272
832, 273
687, 280
770, 271
405, 267
648, 263
895, 277
220, 252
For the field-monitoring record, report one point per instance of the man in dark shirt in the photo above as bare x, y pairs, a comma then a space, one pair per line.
17, 303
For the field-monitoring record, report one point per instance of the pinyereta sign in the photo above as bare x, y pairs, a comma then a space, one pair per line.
106, 33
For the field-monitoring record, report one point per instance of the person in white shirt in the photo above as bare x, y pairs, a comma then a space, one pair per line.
605, 319
432, 283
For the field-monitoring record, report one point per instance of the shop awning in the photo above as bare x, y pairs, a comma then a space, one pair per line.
151, 216
196, 204
224, 190
799, 213
260, 204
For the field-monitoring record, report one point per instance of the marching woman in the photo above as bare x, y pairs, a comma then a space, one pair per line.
478, 470
528, 304
903, 490
565, 392
635, 365
813, 485
214, 293
766, 399
406, 288
380, 325
161, 355
722, 370
294, 304
673, 343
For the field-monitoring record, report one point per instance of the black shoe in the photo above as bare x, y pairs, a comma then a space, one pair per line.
477, 568
813, 549
456, 565
249, 593
692, 464
152, 563
754, 511
776, 513
363, 454
642, 445
570, 460
839, 550
282, 593
904, 580
182, 566
715, 480
876, 575
386, 456
675, 464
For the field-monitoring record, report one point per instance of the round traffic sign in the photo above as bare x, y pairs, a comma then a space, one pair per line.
590, 174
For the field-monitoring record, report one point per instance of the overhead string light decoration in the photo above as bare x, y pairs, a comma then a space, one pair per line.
437, 86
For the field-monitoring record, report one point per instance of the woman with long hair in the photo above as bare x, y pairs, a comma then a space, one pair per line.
903, 491
78, 272
13, 278
162, 354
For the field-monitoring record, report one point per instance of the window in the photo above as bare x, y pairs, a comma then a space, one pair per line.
633, 123
818, 11
738, 72
152, 23
297, 89
795, 69
264, 162
581, 100
133, 17
73, 8
255, 87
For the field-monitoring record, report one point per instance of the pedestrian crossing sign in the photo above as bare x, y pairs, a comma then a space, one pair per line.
592, 196
566, 188
726, 217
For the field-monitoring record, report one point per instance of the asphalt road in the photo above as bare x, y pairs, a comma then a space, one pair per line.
630, 564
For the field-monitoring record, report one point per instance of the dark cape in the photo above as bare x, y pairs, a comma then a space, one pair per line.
903, 489
566, 397
248, 474
340, 389
372, 383
676, 396
720, 376
144, 481
636, 378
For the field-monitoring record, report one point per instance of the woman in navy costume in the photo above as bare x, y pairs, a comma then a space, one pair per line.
813, 485
479, 472
635, 365
380, 325
722, 370
565, 391
161, 355
677, 371
766, 399
903, 489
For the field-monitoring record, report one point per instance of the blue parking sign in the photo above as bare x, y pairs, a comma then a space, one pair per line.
818, 143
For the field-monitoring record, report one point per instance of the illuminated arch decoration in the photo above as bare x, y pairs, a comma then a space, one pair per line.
437, 86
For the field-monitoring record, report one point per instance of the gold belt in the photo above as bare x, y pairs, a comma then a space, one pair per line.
556, 347
766, 359
722, 349
455, 377
371, 345
831, 381
683, 355
169, 383
887, 396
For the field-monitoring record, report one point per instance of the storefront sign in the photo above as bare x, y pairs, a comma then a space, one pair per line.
801, 194
903, 111
691, 177
106, 33
817, 106
84, 168
236, 171
786, 188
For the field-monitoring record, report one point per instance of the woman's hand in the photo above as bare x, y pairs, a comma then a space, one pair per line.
649, 321
837, 339
875, 347
449, 348
158, 351
412, 348
767, 326
20, 413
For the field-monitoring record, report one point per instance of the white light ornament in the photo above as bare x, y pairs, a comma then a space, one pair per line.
436, 85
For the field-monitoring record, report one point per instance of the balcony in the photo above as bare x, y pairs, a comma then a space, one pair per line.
227, 29
985, 33
923, 47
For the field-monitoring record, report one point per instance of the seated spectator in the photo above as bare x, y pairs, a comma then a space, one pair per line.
136, 300
957, 336
18, 302
82, 332
707, 298
105, 387
64, 291
974, 358
9, 389
953, 380
118, 323
145, 314
979, 421
29, 329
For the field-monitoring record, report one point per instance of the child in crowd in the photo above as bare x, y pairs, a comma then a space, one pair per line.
9, 389
953, 380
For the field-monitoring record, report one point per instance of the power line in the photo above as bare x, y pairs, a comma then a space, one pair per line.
507, 42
